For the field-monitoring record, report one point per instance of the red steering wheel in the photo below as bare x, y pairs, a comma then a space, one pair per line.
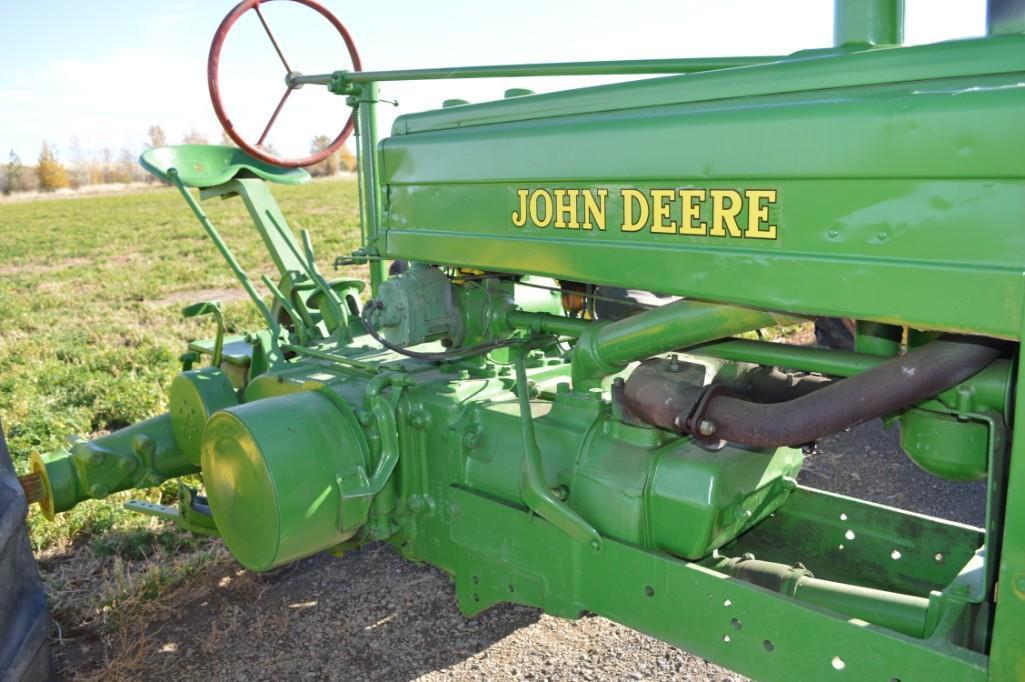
213, 66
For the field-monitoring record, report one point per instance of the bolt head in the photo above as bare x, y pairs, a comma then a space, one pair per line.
144, 445
706, 427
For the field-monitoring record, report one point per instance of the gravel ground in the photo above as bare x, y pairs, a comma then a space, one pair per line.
370, 615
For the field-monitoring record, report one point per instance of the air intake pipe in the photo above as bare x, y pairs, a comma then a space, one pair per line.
605, 348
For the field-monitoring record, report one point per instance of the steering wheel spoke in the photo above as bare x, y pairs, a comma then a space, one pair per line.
274, 42
274, 117
213, 70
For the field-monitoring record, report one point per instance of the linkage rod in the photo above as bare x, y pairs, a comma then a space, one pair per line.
215, 236
603, 68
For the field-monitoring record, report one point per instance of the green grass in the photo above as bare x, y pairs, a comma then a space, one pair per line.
91, 292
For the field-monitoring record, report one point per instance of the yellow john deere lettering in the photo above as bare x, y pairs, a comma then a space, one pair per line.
692, 212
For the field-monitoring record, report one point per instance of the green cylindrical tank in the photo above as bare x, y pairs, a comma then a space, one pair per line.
272, 470
945, 446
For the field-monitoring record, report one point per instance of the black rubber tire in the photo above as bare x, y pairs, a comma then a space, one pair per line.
24, 620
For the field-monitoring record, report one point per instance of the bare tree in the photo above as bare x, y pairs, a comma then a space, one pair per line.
126, 166
155, 137
194, 137
78, 163
13, 171
106, 167
328, 166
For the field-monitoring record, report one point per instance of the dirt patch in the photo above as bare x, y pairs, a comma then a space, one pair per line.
124, 259
42, 268
319, 210
189, 296
83, 192
370, 615
101, 595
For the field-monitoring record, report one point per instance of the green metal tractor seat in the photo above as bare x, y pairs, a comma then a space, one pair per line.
208, 165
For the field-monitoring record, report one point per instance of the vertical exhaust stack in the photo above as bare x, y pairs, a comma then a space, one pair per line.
1005, 17
868, 22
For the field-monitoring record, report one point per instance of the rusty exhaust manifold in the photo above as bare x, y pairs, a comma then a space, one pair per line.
822, 407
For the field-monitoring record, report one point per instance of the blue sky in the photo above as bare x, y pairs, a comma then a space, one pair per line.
104, 71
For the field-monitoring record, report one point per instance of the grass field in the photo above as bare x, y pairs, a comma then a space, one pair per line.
91, 292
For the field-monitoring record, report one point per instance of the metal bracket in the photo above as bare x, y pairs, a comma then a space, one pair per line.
192, 513
210, 308
535, 493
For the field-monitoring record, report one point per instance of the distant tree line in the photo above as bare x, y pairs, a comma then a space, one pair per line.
342, 160
105, 166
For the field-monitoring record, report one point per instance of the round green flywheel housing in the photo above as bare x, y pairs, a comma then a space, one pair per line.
194, 396
272, 469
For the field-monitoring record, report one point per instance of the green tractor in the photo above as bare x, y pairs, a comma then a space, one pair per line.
473, 410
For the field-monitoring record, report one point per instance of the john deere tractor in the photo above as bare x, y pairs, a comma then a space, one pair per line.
478, 412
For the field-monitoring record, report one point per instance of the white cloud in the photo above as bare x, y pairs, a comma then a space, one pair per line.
107, 102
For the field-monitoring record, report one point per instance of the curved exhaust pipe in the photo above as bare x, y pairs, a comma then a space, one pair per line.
709, 413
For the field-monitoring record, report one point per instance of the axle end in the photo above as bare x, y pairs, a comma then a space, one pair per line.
34, 487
